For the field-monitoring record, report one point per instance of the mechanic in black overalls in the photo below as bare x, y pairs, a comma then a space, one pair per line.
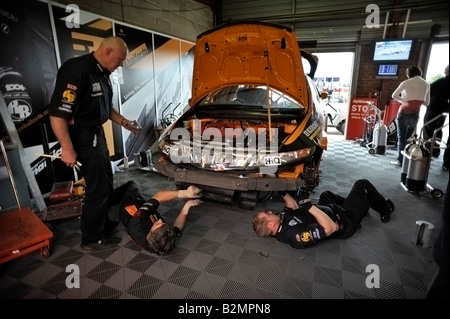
144, 224
333, 217
81, 103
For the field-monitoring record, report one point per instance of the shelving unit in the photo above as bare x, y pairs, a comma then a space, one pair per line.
21, 230
28, 190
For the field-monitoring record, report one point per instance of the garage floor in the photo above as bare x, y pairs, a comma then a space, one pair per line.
219, 257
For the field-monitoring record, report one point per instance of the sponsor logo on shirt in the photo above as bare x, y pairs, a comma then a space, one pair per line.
132, 210
316, 234
304, 237
294, 221
72, 87
96, 89
69, 96
65, 108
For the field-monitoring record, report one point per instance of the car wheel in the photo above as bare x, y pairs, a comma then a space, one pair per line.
264, 196
341, 127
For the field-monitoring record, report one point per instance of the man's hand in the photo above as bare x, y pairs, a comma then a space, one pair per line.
69, 157
133, 126
190, 192
189, 204
303, 199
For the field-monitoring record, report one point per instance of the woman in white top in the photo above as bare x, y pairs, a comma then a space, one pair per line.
412, 94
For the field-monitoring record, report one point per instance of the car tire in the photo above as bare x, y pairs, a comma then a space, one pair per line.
341, 127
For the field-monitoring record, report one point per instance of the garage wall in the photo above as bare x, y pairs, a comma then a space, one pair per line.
340, 26
183, 19
36, 39
369, 83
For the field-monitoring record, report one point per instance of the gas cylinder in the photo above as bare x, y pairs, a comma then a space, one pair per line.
380, 138
406, 154
418, 168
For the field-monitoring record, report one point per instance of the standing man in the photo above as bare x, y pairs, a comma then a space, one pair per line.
81, 103
439, 103
411, 93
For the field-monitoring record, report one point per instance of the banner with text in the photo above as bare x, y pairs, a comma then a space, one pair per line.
360, 117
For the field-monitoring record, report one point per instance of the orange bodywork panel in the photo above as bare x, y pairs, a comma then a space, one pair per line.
248, 54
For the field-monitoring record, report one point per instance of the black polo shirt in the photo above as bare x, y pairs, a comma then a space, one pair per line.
139, 225
300, 229
83, 91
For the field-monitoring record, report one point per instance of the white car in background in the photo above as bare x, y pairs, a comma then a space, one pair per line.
336, 113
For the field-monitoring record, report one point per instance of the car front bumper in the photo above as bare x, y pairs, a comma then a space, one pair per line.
227, 181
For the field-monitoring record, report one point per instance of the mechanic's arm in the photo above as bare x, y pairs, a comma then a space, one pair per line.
168, 195
116, 117
60, 128
329, 226
180, 221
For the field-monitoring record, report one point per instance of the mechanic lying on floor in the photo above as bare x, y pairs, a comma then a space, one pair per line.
333, 217
141, 218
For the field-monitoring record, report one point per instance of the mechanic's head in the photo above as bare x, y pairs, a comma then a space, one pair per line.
111, 53
265, 223
161, 238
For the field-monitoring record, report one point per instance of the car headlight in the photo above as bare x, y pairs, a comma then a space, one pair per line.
214, 156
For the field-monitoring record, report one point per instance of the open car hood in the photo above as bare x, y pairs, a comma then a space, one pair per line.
251, 53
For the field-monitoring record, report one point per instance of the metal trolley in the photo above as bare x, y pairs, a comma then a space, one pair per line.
416, 163
375, 132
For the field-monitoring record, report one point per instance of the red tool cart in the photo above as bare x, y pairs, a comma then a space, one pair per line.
21, 230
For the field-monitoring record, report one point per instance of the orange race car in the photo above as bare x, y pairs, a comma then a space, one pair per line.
253, 125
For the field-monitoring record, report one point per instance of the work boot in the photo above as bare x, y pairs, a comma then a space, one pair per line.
102, 244
387, 217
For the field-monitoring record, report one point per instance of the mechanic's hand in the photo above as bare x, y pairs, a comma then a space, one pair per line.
303, 199
69, 157
133, 126
193, 202
190, 192
190, 203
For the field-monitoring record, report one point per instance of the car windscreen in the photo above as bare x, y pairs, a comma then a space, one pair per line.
250, 96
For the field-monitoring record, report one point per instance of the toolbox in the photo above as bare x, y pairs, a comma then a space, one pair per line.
63, 210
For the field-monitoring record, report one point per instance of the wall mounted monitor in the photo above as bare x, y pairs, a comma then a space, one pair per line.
388, 70
392, 50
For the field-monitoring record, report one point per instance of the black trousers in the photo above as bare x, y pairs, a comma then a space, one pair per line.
93, 154
127, 193
360, 199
